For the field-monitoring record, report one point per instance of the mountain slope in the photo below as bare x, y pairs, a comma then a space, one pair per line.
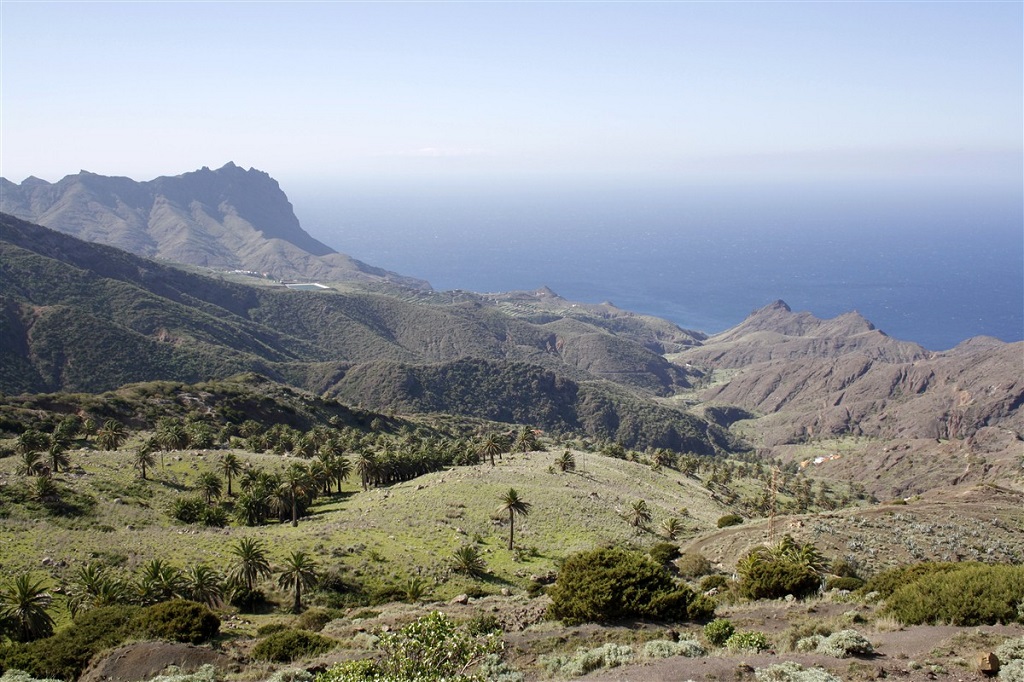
226, 219
87, 317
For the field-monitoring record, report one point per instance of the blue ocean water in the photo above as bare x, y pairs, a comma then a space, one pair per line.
935, 266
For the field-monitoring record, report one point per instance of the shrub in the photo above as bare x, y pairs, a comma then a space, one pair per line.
587, 660
65, 654
1012, 671
994, 593
844, 644
887, 582
205, 673
842, 583
784, 569
1011, 650
289, 645
188, 509
483, 624
718, 631
493, 669
809, 645
793, 672
664, 648
713, 582
314, 619
664, 553
730, 520
747, 641
432, 648
271, 628
694, 565
610, 584
178, 620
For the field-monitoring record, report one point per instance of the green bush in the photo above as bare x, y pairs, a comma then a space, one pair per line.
718, 631
66, 654
993, 593
664, 553
843, 583
430, 649
747, 641
730, 520
611, 584
289, 645
314, 619
713, 582
178, 620
783, 569
887, 582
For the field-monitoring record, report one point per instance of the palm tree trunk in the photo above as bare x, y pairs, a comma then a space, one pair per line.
295, 510
511, 527
297, 606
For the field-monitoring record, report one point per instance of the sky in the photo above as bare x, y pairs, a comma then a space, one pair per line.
475, 92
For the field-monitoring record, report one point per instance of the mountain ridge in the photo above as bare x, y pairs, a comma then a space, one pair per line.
226, 219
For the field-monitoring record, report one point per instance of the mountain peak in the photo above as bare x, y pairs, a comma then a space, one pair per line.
228, 219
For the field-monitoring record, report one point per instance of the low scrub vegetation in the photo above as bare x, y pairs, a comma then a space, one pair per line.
932, 593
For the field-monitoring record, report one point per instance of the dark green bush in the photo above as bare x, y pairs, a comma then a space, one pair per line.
887, 582
850, 584
289, 645
178, 620
271, 628
972, 595
66, 654
730, 520
713, 582
611, 584
315, 619
664, 552
780, 570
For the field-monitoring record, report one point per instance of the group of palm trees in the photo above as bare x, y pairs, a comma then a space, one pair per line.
25, 601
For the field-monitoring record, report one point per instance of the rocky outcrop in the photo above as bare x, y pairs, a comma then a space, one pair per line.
225, 219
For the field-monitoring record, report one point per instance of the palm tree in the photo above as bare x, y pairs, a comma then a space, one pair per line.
171, 435
31, 463
94, 588
250, 563
671, 527
23, 604
468, 560
527, 441
298, 573
493, 445
230, 466
639, 514
512, 504
366, 467
159, 581
566, 461
210, 485
58, 452
203, 584
112, 435
297, 483
143, 457
335, 462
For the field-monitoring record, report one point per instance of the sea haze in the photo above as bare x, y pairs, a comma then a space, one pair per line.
935, 266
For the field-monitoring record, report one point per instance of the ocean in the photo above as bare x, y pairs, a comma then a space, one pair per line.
930, 265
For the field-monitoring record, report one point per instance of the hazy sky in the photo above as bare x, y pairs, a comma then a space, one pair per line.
495, 90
